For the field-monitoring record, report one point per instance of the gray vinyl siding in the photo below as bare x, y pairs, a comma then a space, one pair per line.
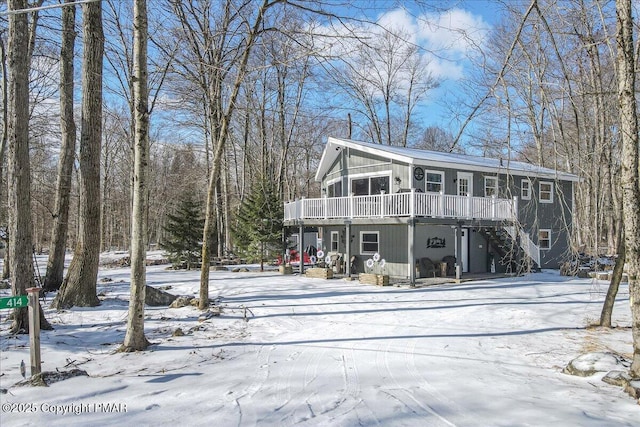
556, 217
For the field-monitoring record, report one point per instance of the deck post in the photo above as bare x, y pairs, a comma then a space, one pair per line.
325, 203
301, 246
412, 203
514, 213
442, 204
411, 237
351, 207
459, 250
347, 244
493, 206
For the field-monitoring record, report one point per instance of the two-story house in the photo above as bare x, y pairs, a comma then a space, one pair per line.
409, 204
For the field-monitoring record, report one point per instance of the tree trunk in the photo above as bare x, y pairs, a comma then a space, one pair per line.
20, 249
135, 339
55, 264
18, 170
630, 186
221, 141
616, 278
79, 286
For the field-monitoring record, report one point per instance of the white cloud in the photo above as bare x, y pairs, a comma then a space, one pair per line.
456, 29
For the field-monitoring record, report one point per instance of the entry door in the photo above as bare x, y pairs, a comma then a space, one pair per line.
465, 184
464, 249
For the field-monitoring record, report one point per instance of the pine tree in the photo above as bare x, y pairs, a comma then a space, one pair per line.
259, 223
184, 232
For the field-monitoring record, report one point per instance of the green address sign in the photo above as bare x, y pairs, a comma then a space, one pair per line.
14, 302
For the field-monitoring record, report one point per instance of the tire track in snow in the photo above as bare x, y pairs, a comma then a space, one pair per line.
261, 375
406, 397
424, 386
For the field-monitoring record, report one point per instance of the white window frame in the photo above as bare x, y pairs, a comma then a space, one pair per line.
527, 189
547, 239
334, 181
426, 181
540, 192
362, 251
335, 238
368, 176
495, 187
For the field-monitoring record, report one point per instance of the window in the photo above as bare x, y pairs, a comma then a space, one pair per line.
525, 189
369, 242
379, 184
335, 189
490, 186
434, 182
371, 185
544, 239
546, 192
335, 236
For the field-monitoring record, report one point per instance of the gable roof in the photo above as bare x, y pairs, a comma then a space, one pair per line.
418, 157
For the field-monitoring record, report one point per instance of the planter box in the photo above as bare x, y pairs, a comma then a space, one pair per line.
374, 279
285, 269
319, 273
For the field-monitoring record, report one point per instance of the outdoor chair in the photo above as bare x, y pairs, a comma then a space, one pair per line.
450, 261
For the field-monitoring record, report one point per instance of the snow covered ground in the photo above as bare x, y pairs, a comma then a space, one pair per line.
329, 352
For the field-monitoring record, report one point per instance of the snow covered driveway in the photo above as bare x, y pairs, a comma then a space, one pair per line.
334, 353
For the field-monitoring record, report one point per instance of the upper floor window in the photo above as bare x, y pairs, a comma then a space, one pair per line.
370, 185
490, 186
434, 181
525, 189
335, 189
546, 192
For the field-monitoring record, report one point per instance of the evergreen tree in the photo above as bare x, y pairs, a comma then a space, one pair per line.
184, 228
259, 226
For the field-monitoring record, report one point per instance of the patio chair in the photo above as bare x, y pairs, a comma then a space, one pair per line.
450, 261
427, 267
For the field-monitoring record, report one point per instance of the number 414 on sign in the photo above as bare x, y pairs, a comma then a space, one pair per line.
14, 302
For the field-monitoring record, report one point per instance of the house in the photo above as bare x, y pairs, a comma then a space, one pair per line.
416, 207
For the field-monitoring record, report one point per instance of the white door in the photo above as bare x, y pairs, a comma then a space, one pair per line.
464, 249
465, 184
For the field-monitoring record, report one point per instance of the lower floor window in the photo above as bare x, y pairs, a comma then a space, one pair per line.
544, 239
334, 241
369, 242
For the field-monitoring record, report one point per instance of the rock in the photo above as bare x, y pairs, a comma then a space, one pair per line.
582, 274
165, 287
633, 389
592, 363
5, 284
617, 378
43, 379
214, 312
180, 302
177, 333
158, 298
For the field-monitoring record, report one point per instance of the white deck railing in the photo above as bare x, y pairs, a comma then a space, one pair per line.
436, 205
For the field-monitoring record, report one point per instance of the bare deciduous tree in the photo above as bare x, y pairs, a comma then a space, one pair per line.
135, 339
55, 265
79, 286
630, 178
